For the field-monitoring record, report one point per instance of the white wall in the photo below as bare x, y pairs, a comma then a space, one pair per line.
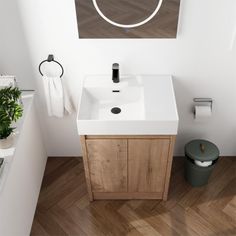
19, 196
202, 60
13, 48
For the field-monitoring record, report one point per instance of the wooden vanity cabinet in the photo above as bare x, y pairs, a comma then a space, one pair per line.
107, 163
127, 167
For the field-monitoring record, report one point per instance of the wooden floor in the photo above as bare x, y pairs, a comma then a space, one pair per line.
64, 209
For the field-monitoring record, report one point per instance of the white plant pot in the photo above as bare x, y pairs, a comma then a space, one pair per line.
7, 142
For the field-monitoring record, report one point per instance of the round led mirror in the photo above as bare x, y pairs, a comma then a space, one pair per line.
132, 25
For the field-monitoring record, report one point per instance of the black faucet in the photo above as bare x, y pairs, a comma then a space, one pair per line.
115, 73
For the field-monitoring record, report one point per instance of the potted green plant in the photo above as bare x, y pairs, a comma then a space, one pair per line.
10, 111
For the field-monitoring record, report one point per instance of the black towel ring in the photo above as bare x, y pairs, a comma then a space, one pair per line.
50, 59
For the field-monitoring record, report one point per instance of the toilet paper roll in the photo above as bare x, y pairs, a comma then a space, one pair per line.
201, 112
203, 163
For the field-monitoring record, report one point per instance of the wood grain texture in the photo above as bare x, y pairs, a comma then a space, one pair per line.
147, 163
107, 164
168, 168
127, 136
127, 195
86, 166
92, 25
64, 207
129, 164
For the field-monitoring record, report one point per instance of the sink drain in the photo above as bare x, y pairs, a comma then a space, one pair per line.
115, 110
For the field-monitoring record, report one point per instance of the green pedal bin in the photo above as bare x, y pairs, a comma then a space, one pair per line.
200, 159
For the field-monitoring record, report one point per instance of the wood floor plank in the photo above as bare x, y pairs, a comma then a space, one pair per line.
142, 226
83, 202
225, 196
154, 219
90, 222
38, 230
61, 187
71, 198
66, 222
64, 207
176, 219
119, 223
221, 221
230, 209
200, 225
54, 172
49, 225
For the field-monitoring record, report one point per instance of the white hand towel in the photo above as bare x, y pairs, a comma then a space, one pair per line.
57, 100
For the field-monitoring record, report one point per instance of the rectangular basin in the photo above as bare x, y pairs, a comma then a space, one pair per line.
142, 105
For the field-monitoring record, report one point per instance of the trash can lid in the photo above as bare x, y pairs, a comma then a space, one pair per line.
202, 150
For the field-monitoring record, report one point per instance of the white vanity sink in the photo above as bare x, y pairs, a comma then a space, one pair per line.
146, 104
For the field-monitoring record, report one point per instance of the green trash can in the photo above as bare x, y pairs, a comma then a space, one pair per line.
200, 159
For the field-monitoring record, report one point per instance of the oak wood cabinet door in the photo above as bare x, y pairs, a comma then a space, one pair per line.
107, 161
147, 164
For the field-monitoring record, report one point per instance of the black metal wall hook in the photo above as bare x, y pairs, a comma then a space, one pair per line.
51, 59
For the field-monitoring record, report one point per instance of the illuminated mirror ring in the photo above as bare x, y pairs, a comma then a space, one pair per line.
127, 25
